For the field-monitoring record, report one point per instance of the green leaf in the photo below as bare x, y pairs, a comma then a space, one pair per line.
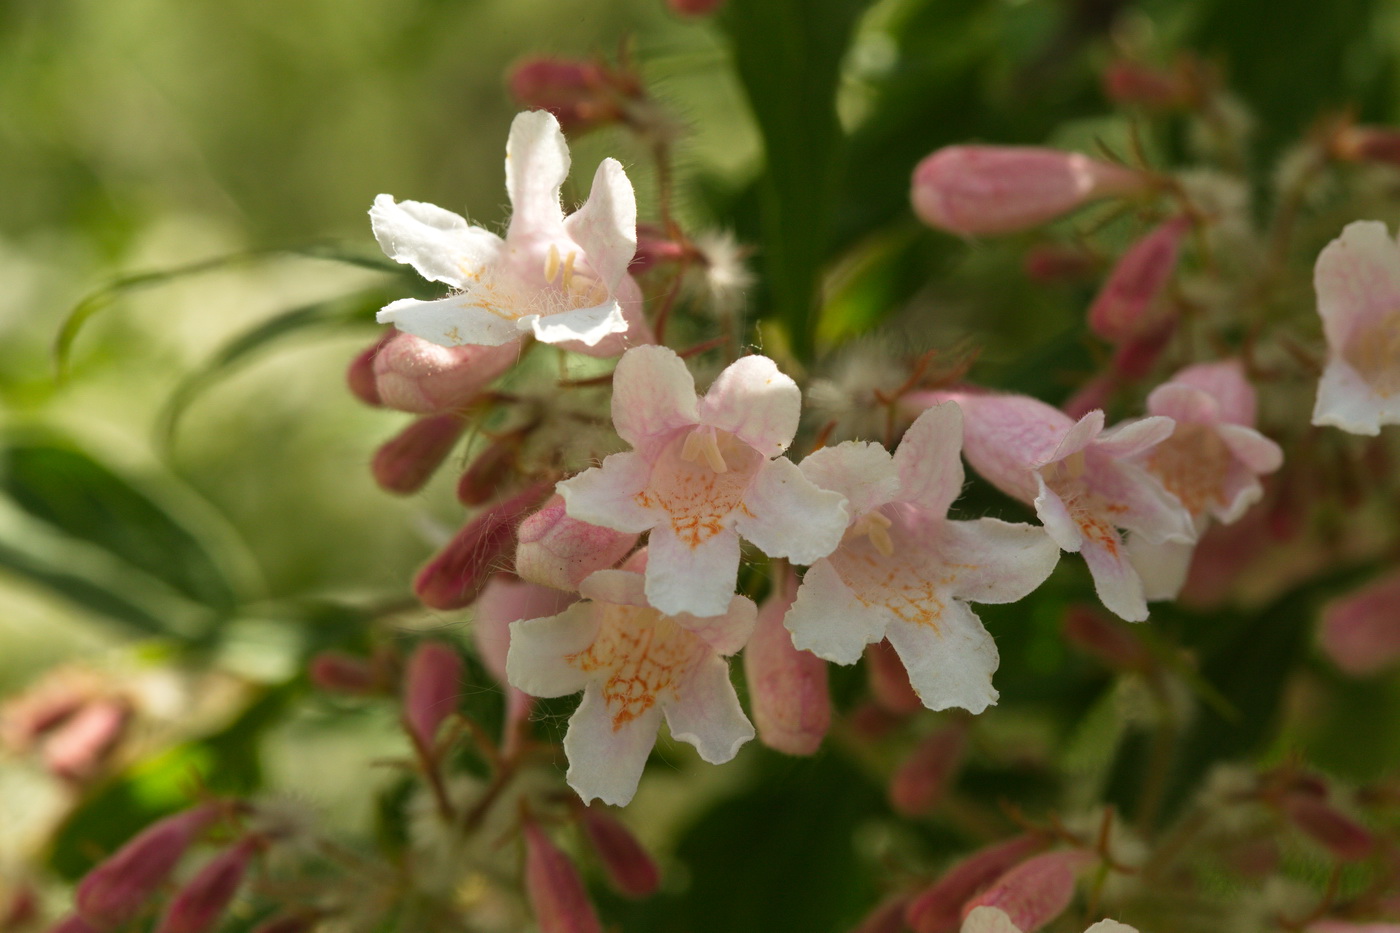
82, 591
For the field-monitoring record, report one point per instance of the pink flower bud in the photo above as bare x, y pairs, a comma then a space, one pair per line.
76, 750
1335, 831
200, 904
19, 909
1123, 307
872, 722
938, 909
921, 781
631, 870
694, 7
359, 375
1048, 263
73, 923
787, 688
413, 374
1003, 189
113, 893
410, 459
432, 685
1104, 637
889, 681
1096, 393
559, 551
887, 917
41, 709
555, 889
1035, 891
654, 247
1136, 356
1367, 144
454, 577
1361, 631
1127, 82
338, 672
581, 95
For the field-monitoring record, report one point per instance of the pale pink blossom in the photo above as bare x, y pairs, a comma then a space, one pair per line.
1002, 189
938, 908
905, 572
1357, 278
556, 550
1361, 631
787, 688
1029, 895
701, 474
634, 664
564, 280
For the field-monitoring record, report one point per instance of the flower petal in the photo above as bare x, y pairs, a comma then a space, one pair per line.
619, 587
787, 515
537, 162
450, 322
828, 619
929, 459
988, 920
441, 245
1138, 501
997, 561
1162, 567
637, 334
586, 325
696, 579
727, 634
1119, 587
1225, 382
862, 472
1054, 515
1258, 453
538, 659
1111, 926
754, 401
1080, 435
607, 495
1134, 437
1357, 278
1345, 400
653, 395
950, 661
706, 713
1006, 436
606, 762
1184, 403
606, 225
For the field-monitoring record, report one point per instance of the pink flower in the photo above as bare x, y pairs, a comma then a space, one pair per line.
634, 665
787, 687
1083, 481
1002, 189
906, 573
1029, 895
1361, 631
1358, 297
701, 474
561, 279
559, 551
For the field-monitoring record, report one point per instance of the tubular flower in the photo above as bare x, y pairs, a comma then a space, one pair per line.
1357, 278
701, 474
905, 572
634, 665
562, 279
1083, 482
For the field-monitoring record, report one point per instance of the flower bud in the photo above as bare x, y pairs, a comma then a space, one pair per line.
1333, 830
559, 551
1035, 891
788, 691
1048, 263
1124, 304
632, 871
42, 708
1126, 82
1361, 631
889, 681
410, 459
431, 687
1096, 393
486, 475
73, 923
1003, 189
200, 904
921, 781
581, 95
416, 375
1104, 637
76, 750
19, 908
555, 889
456, 574
655, 247
938, 908
1136, 355
1367, 144
694, 7
338, 672
359, 375
113, 893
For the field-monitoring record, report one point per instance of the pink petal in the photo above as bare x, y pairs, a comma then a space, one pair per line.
1357, 278
1119, 587
1055, 516
537, 162
1006, 436
1225, 382
930, 468
1131, 438
1162, 566
1184, 403
862, 472
1137, 501
787, 515
606, 225
754, 401
829, 620
1258, 453
653, 395
1083, 433
706, 713
726, 634
1345, 400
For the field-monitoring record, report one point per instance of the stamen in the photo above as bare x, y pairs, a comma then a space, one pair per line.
877, 527
568, 280
551, 264
701, 444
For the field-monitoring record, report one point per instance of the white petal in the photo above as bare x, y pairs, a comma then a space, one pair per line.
539, 648
606, 225
929, 459
1111, 926
756, 402
1134, 437
653, 395
607, 495
727, 633
696, 579
607, 762
619, 587
1140, 502
988, 920
442, 246
1161, 567
706, 713
862, 472
450, 322
637, 334
787, 515
537, 162
996, 561
586, 325
1357, 278
951, 661
828, 620
1346, 401
1053, 514
1119, 587
1083, 433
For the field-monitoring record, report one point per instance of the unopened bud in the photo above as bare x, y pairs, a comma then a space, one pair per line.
938, 908
76, 750
416, 375
632, 871
555, 889
887, 917
41, 709
581, 95
871, 721
1136, 355
455, 576
1361, 631
199, 905
788, 690
921, 781
1332, 829
559, 551
1035, 891
889, 681
1003, 189
1367, 144
1048, 263
1127, 82
116, 891
359, 375
338, 672
484, 477
409, 460
694, 7
1123, 308
19, 908
1105, 638
655, 247
431, 688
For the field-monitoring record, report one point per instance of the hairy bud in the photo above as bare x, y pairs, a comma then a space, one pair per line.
454, 577
405, 463
559, 551
787, 687
416, 375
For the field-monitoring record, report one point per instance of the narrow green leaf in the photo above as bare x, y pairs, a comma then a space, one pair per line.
81, 591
